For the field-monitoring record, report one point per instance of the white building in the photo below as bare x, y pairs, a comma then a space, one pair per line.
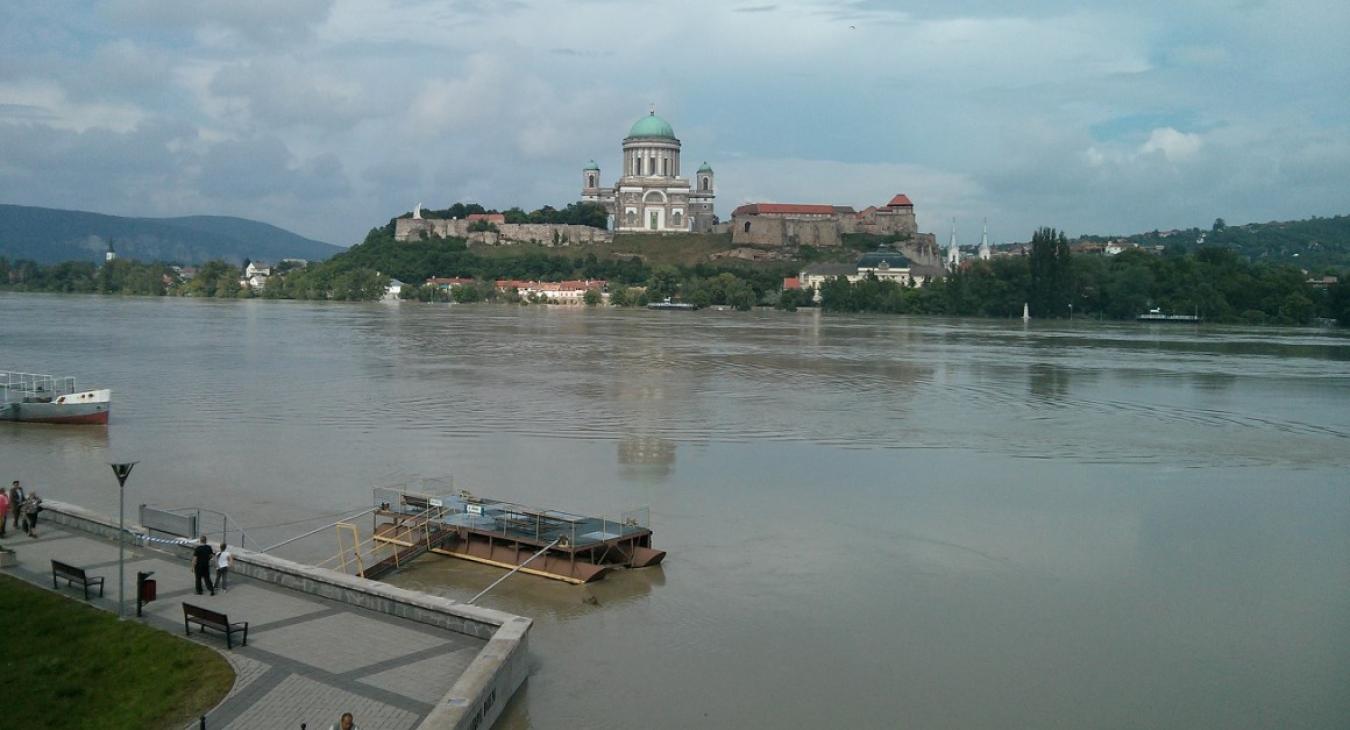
651, 194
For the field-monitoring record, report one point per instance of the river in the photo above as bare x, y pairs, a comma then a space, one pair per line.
871, 521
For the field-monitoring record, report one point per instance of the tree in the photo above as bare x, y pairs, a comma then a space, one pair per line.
1339, 300
1219, 225
1051, 274
664, 282
591, 297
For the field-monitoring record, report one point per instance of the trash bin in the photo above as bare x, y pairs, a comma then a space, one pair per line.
148, 587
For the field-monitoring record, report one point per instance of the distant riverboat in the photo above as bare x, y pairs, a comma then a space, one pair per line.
1156, 315
46, 399
667, 304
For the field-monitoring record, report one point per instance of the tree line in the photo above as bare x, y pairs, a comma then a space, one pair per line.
1214, 283
576, 214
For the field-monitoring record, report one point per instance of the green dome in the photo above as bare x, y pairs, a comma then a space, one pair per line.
591, 166
705, 167
652, 126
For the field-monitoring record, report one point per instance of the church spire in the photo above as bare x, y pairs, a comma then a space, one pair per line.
953, 252
985, 253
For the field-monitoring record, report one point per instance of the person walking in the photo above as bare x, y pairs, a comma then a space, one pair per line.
224, 561
15, 501
4, 511
201, 565
31, 507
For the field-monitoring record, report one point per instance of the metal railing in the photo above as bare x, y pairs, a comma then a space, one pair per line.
413, 530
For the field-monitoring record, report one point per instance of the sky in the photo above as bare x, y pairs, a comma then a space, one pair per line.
328, 117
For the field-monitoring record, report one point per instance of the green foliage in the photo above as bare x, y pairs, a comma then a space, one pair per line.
1338, 302
1214, 283
1051, 274
592, 297
481, 226
82, 668
576, 214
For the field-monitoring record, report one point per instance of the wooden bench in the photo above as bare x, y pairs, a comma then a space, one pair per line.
73, 575
208, 619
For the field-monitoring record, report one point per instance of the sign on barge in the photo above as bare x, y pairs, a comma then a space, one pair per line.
548, 543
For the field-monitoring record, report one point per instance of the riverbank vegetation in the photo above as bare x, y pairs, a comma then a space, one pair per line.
69, 665
1214, 282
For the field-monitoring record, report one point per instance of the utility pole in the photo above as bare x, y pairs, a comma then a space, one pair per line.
122, 470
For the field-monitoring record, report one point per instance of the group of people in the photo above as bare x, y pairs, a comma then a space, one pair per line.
24, 507
204, 559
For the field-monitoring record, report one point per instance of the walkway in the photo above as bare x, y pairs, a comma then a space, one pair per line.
308, 659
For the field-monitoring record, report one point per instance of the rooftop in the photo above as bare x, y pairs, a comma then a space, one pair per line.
652, 126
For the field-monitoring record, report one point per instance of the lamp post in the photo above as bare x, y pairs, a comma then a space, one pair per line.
122, 471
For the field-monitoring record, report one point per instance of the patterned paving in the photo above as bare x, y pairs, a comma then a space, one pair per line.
308, 660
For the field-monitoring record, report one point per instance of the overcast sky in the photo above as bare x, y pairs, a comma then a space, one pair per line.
328, 117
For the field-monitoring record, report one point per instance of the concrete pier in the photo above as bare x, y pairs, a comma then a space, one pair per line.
320, 643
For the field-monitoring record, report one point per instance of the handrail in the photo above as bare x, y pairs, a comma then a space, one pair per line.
404, 530
317, 530
225, 522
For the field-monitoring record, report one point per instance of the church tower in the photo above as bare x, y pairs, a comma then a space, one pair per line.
590, 179
953, 252
701, 200
985, 253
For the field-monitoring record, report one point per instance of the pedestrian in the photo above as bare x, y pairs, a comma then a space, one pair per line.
201, 565
15, 501
224, 561
4, 511
31, 507
345, 723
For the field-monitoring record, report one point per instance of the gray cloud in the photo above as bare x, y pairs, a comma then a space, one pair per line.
329, 118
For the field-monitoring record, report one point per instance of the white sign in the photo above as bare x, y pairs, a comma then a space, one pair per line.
435, 503
474, 509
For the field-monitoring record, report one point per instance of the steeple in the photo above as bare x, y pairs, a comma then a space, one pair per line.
985, 253
953, 252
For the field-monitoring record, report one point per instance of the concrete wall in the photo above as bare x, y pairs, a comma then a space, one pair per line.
476, 699
548, 234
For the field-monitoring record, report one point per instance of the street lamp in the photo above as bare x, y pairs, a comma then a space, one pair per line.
122, 471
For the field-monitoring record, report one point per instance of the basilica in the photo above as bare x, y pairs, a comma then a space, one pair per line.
650, 194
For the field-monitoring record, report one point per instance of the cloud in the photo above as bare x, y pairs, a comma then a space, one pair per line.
1174, 146
329, 116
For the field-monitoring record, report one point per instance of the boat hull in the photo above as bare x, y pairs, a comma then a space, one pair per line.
91, 407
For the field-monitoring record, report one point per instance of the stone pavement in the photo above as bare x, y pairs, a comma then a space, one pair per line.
308, 660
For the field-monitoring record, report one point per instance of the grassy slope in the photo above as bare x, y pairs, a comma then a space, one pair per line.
678, 248
68, 665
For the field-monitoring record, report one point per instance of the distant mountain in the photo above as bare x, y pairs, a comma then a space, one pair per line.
48, 236
1314, 243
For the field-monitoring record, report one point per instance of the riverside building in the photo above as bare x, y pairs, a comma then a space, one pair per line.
651, 194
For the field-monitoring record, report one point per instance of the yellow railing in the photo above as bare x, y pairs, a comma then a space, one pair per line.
410, 530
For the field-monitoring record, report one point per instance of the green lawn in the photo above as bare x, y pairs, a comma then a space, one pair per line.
67, 665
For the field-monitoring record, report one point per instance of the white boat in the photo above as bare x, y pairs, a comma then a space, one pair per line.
38, 398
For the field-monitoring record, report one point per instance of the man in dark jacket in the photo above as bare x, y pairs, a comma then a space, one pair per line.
16, 497
201, 565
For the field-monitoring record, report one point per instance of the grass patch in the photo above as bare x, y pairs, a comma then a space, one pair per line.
684, 249
68, 665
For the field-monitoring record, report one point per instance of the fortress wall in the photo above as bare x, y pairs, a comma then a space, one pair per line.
547, 234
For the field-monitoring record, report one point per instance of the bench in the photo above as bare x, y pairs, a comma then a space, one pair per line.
208, 619
74, 575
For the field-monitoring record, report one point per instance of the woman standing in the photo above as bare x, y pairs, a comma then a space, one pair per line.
224, 561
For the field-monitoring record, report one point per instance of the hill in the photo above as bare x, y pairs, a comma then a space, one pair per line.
1314, 244
48, 235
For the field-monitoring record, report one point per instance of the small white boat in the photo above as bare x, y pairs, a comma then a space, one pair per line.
38, 398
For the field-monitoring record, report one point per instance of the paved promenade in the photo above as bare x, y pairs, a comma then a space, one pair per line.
308, 660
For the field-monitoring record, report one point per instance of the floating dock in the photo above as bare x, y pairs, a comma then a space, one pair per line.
548, 543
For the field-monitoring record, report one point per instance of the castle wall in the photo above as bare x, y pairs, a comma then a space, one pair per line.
765, 230
547, 234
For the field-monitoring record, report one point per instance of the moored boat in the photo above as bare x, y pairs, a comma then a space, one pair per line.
36, 398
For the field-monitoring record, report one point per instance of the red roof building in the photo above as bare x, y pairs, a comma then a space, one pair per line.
788, 209
900, 201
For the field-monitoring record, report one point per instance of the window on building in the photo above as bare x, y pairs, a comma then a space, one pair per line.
651, 165
705, 183
675, 218
747, 226
655, 218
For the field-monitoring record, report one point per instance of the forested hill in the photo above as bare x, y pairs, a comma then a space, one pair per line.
1313, 244
47, 235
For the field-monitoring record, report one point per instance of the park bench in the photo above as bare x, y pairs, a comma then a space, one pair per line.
73, 575
208, 619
